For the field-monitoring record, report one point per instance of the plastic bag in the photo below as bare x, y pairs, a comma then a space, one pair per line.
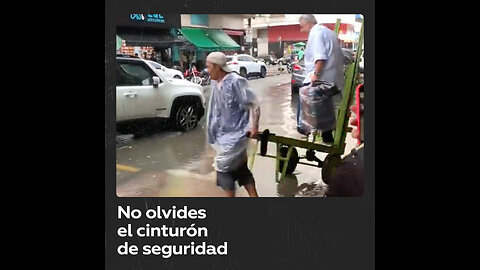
231, 158
317, 109
229, 120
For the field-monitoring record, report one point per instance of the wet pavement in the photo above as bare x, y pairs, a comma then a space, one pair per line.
168, 163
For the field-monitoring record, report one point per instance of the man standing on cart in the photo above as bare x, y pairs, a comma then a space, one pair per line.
233, 113
323, 60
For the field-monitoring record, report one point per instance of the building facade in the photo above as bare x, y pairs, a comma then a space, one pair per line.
180, 39
278, 32
221, 28
150, 36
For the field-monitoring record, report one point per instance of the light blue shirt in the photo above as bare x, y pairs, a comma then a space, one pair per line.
323, 45
229, 119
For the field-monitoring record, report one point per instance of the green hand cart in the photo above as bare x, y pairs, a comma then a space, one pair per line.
287, 156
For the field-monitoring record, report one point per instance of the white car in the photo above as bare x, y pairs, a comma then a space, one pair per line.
246, 65
167, 72
144, 93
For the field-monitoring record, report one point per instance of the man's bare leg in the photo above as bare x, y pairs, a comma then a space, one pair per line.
229, 193
252, 191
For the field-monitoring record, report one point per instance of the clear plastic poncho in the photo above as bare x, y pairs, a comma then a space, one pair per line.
229, 120
317, 109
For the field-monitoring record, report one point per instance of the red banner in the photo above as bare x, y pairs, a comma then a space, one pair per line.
286, 33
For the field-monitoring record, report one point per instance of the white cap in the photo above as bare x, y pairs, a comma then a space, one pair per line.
220, 59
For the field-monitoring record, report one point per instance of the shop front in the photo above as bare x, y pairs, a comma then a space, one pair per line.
281, 38
200, 42
151, 36
238, 36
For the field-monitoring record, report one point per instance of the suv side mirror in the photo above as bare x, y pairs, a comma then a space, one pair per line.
156, 81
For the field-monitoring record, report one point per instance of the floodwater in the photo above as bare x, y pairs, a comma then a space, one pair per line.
168, 163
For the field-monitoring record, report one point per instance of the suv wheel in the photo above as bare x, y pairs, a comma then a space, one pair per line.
243, 72
186, 117
263, 72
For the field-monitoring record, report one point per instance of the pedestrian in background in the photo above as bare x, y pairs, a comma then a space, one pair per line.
193, 58
323, 59
153, 56
233, 113
183, 60
300, 53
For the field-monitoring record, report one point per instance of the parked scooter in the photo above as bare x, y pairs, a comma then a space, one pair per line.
193, 75
205, 77
289, 67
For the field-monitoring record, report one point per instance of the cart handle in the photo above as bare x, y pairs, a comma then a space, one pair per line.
263, 138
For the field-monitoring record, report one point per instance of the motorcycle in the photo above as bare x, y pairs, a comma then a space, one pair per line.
193, 75
205, 77
289, 67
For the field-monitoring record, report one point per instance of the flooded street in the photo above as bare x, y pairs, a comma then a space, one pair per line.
168, 163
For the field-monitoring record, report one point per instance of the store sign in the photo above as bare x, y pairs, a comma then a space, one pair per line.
150, 20
153, 18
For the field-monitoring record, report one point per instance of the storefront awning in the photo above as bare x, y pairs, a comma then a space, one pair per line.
223, 40
198, 38
233, 32
148, 39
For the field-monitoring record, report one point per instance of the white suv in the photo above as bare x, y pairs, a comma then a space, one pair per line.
246, 65
144, 93
167, 72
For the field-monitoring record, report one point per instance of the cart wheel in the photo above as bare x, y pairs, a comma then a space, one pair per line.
292, 163
329, 165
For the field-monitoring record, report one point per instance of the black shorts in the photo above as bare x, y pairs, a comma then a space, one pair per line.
243, 175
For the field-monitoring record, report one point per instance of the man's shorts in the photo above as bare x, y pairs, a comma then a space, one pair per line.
243, 175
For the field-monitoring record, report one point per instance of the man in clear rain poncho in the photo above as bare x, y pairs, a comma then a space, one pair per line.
232, 114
